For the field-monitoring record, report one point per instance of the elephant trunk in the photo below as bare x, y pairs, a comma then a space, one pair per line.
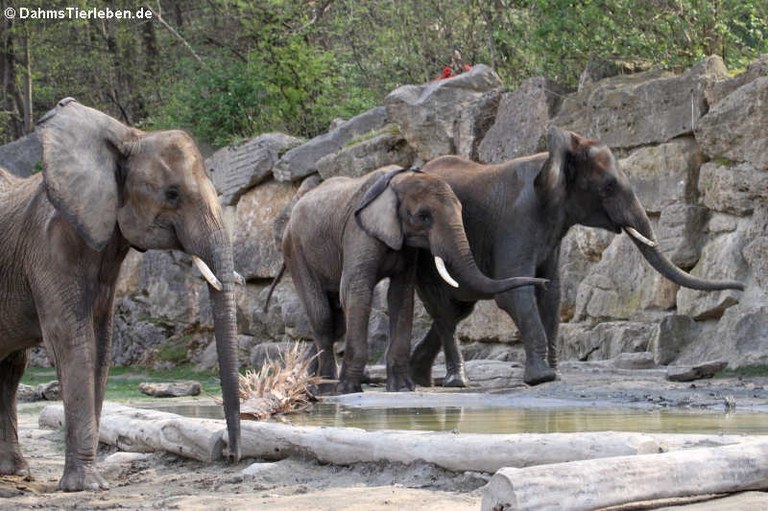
221, 279
457, 256
641, 233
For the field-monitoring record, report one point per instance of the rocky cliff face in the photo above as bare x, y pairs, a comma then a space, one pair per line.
695, 146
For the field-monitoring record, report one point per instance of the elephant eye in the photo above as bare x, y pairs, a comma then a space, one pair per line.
422, 218
608, 189
172, 195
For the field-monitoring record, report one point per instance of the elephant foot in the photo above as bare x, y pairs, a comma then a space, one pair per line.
348, 387
421, 374
399, 383
82, 478
324, 389
537, 372
456, 378
14, 465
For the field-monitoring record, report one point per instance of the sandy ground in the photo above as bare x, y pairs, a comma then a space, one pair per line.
164, 481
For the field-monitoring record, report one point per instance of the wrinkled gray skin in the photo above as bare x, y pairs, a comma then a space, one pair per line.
516, 213
346, 235
105, 187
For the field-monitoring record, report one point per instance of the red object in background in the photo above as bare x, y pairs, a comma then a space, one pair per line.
448, 72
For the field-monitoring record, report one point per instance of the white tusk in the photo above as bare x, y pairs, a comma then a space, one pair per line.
639, 237
207, 273
443, 271
239, 279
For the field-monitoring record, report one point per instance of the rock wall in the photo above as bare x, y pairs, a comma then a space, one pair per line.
694, 145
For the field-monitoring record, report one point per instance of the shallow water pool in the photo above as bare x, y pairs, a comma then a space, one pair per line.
483, 417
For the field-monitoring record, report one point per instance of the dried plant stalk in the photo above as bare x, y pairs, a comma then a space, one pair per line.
279, 386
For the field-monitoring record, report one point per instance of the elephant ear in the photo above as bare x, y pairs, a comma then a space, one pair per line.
81, 151
550, 182
377, 212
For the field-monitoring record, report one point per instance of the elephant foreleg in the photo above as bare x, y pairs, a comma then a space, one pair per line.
357, 294
521, 306
11, 370
400, 304
71, 341
103, 333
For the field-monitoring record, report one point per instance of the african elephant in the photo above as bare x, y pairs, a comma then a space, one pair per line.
516, 213
347, 234
105, 187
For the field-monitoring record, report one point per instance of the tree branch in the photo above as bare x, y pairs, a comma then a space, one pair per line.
156, 14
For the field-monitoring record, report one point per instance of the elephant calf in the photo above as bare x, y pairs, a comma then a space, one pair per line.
104, 188
347, 234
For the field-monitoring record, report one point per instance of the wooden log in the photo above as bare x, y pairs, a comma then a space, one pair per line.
596, 484
205, 439
457, 452
140, 430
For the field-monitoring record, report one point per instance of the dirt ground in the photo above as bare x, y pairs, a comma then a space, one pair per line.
164, 481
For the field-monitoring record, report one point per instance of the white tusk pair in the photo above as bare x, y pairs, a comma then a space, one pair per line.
443, 271
639, 237
207, 273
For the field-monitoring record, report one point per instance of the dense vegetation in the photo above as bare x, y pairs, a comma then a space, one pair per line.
227, 69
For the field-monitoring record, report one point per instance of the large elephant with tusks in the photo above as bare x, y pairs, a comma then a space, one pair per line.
105, 187
516, 213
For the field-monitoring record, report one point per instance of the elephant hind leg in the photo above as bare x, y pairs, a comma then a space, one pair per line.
11, 370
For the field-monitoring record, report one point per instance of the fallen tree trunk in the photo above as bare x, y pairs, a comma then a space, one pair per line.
205, 439
140, 430
596, 484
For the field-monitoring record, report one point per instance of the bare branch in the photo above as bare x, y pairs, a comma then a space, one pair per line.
156, 14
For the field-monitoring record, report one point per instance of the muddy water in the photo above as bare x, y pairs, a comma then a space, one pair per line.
491, 418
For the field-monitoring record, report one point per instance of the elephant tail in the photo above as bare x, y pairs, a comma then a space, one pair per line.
273, 286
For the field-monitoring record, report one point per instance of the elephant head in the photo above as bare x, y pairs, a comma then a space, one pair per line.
108, 179
584, 180
420, 210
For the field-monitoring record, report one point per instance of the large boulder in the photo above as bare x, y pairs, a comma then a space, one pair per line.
735, 127
386, 148
521, 121
723, 88
734, 189
22, 156
740, 338
605, 340
681, 233
664, 174
646, 108
721, 258
674, 334
256, 255
237, 168
580, 250
488, 323
473, 124
621, 285
427, 114
301, 161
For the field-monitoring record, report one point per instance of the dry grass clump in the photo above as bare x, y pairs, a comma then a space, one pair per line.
279, 386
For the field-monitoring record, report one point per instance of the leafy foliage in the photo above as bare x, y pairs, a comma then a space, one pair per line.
229, 69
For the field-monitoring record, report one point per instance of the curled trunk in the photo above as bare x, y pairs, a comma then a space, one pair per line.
644, 239
457, 257
664, 266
